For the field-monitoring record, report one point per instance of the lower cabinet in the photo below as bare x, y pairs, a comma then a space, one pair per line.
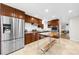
31, 37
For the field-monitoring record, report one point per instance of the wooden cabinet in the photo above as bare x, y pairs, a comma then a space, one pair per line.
6, 10
33, 20
28, 38
54, 22
28, 19
54, 25
19, 14
31, 37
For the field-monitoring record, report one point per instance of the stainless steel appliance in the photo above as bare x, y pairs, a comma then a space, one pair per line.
19, 36
12, 34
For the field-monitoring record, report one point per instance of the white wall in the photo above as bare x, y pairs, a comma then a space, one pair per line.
74, 29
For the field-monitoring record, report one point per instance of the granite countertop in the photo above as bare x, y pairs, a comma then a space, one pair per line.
41, 32
46, 34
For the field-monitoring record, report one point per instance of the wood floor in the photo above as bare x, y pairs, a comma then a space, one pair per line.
61, 47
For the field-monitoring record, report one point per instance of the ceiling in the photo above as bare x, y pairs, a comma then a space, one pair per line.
48, 11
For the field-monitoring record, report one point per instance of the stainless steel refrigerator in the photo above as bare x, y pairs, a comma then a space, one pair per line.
19, 36
12, 34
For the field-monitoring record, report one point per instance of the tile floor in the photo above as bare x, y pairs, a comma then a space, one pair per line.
61, 47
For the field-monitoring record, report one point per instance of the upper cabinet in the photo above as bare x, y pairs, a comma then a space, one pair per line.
6, 10
54, 22
34, 21
27, 18
19, 14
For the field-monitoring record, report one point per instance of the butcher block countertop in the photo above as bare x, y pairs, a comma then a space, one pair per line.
61, 47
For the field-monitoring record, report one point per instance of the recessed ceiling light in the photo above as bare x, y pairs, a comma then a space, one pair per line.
46, 10
70, 11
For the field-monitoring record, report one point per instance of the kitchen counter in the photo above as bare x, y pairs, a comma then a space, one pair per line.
48, 34
45, 33
31, 37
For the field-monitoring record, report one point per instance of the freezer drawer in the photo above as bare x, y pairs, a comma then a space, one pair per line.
7, 47
19, 43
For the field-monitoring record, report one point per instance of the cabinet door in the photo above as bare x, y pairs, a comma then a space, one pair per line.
7, 11
37, 36
28, 38
33, 37
19, 14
